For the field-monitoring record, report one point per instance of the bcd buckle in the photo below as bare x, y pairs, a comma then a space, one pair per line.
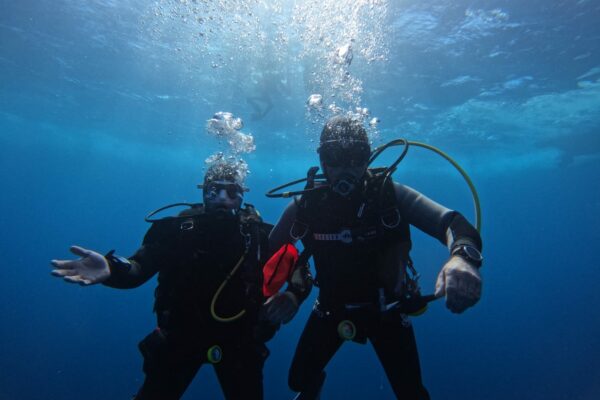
300, 236
187, 225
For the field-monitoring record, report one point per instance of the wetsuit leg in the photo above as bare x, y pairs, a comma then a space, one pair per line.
317, 345
240, 371
396, 347
169, 369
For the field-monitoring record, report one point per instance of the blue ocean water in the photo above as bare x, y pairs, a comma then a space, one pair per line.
103, 110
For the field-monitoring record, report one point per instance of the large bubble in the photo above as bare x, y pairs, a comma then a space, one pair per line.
315, 101
343, 55
224, 125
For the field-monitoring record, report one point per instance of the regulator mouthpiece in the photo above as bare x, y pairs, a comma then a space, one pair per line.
344, 185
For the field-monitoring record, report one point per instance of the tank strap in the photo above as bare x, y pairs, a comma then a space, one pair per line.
301, 226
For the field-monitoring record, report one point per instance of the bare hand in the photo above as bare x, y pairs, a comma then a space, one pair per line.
91, 268
460, 282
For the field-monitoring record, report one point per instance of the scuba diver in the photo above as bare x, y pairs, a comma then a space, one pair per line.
209, 301
356, 225
269, 87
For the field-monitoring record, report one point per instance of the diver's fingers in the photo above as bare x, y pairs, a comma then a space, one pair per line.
453, 301
279, 308
268, 306
80, 251
274, 310
63, 272
472, 290
63, 264
462, 292
462, 285
476, 290
440, 286
78, 279
469, 287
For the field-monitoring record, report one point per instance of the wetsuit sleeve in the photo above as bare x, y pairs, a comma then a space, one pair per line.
129, 273
300, 281
141, 266
448, 226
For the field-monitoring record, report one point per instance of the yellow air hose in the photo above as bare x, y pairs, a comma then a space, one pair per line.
220, 289
464, 175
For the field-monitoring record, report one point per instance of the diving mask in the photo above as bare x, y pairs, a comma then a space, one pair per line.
344, 153
213, 189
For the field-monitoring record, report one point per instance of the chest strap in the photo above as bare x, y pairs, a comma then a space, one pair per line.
348, 235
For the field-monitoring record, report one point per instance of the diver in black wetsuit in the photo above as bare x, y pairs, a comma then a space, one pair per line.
269, 87
208, 302
357, 230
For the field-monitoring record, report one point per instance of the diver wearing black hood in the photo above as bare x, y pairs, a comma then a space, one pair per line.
357, 228
209, 261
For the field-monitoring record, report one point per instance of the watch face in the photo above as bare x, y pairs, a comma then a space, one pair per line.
473, 253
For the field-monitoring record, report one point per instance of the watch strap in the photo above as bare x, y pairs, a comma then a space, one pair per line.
462, 252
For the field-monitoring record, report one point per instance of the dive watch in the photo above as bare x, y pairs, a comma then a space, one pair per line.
469, 253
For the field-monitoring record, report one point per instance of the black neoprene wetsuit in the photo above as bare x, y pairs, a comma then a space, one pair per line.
355, 256
193, 255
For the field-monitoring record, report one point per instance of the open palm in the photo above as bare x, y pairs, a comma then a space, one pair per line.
91, 268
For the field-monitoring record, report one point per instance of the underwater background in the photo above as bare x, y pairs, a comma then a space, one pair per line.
103, 118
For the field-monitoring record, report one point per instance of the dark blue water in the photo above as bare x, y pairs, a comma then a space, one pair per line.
102, 121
